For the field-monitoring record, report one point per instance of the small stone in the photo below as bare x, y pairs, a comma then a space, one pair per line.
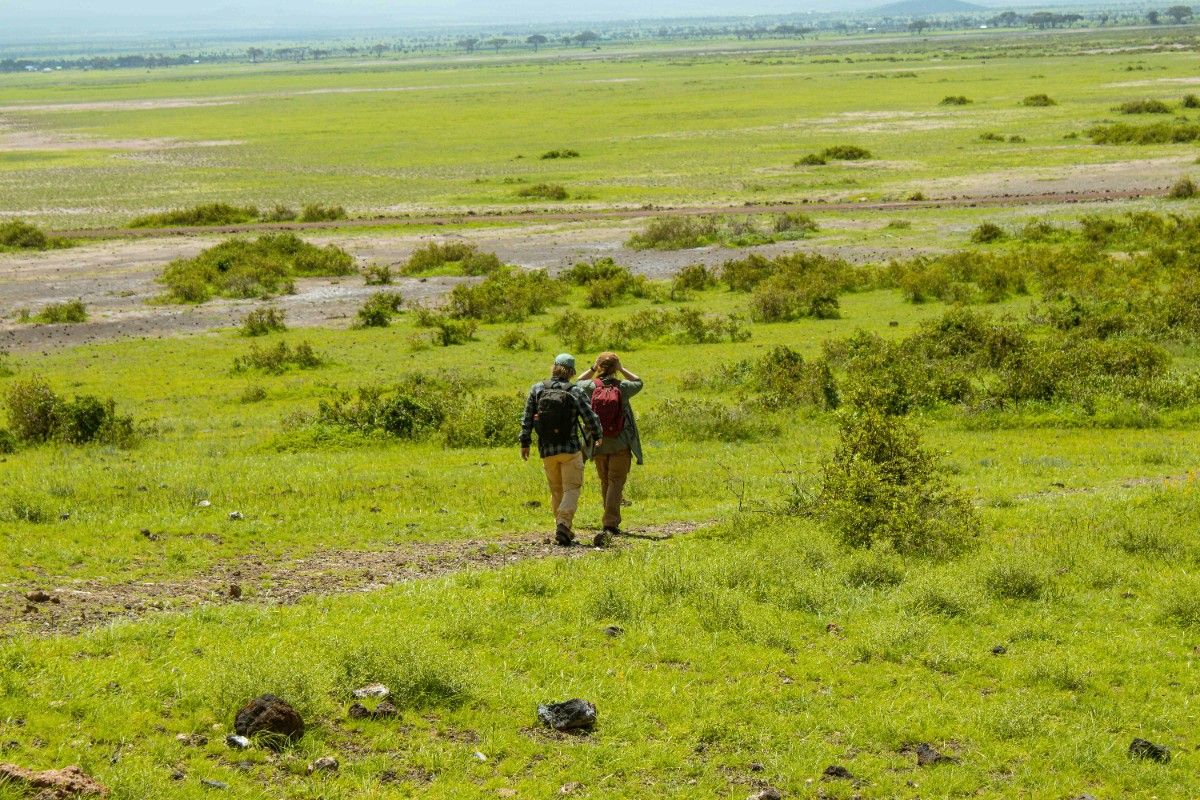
928, 755
52, 783
270, 716
833, 629
478, 756
999, 650
178, 774
211, 784
614, 630
377, 690
757, 766
1149, 751
323, 764
237, 742
235, 591
359, 711
506, 792
37, 596
837, 772
204, 504
235, 515
385, 710
192, 739
769, 793
570, 788
376, 509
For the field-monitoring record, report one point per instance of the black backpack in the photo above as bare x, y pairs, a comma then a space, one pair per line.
556, 413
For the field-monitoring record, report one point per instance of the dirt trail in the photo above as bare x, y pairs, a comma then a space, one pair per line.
80, 605
592, 214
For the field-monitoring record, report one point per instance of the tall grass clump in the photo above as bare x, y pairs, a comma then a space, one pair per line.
314, 212
507, 295
1146, 106
450, 258
278, 359
882, 489
258, 268
1038, 101
543, 191
606, 282
262, 321
379, 309
955, 100
1178, 132
70, 312
1182, 189
196, 216
20, 235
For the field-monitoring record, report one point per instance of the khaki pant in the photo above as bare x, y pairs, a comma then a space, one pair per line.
613, 470
564, 473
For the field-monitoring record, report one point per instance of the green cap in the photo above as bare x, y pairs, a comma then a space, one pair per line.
565, 360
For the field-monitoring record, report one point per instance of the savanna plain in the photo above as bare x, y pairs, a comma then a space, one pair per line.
918, 319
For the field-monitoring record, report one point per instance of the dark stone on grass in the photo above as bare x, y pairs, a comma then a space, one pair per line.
837, 772
1149, 751
53, 784
270, 717
235, 591
211, 784
757, 766
928, 755
614, 630
38, 596
385, 710
572, 715
359, 711
323, 764
769, 793
999, 650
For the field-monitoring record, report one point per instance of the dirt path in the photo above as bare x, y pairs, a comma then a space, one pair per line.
77, 606
587, 215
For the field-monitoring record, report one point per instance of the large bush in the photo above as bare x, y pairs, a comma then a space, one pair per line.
19, 235
245, 268
207, 214
36, 414
450, 258
507, 295
881, 489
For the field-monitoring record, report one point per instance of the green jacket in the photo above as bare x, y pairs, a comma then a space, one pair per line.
629, 436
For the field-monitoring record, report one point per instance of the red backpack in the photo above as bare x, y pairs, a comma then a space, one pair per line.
606, 402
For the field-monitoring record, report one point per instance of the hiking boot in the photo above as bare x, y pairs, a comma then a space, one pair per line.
605, 537
563, 536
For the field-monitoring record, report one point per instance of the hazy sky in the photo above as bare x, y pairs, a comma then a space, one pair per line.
73, 15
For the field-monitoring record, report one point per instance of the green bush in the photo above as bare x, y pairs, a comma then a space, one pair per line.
693, 278
1015, 580
564, 153
378, 310
280, 213
262, 321
313, 212
69, 313
447, 330
987, 233
990, 136
1038, 101
1182, 189
254, 393
37, 414
955, 100
450, 258
1190, 101
799, 225
783, 378
377, 275
196, 216
1157, 133
811, 160
506, 295
278, 359
543, 191
517, 339
8, 442
1143, 107
257, 268
484, 421
685, 326
698, 420
675, 233
881, 490
584, 273
19, 235
846, 152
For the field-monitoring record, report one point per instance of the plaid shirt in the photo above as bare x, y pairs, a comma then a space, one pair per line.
572, 445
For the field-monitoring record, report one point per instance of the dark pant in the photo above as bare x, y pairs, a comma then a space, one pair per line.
613, 470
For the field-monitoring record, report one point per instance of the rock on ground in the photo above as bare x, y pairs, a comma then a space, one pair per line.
55, 784
270, 716
572, 715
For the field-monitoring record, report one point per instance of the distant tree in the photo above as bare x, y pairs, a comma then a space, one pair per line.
379, 50
1103, 19
536, 41
497, 42
918, 25
586, 38
1007, 19
254, 54
468, 44
1152, 17
1179, 13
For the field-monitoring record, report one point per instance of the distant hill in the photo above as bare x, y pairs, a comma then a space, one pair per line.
926, 8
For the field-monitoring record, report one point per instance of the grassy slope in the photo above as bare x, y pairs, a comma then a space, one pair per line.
673, 129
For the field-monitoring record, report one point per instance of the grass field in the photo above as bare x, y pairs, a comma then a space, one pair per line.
754, 645
660, 128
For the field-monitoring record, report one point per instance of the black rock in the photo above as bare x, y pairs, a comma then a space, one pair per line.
614, 630
836, 771
1149, 751
999, 650
271, 717
928, 755
572, 715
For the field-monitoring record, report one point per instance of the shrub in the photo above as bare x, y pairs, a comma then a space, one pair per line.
378, 275
1016, 139
881, 490
987, 233
196, 216
954, 100
68, 313
278, 359
787, 296
37, 414
811, 160
791, 222
506, 295
990, 136
447, 330
318, 213
587, 272
8, 442
260, 268
254, 393
1038, 101
450, 258
262, 321
693, 327
1190, 101
705, 420
564, 153
846, 152
1156, 133
675, 233
517, 339
1013, 580
874, 571
19, 235
694, 278
484, 421
280, 213
783, 378
543, 191
1144, 107
1182, 189
378, 310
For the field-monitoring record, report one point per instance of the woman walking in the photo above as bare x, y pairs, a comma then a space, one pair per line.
609, 387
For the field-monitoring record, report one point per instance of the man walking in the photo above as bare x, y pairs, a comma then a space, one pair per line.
609, 386
557, 408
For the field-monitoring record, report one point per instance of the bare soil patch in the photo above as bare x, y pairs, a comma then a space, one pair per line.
71, 607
